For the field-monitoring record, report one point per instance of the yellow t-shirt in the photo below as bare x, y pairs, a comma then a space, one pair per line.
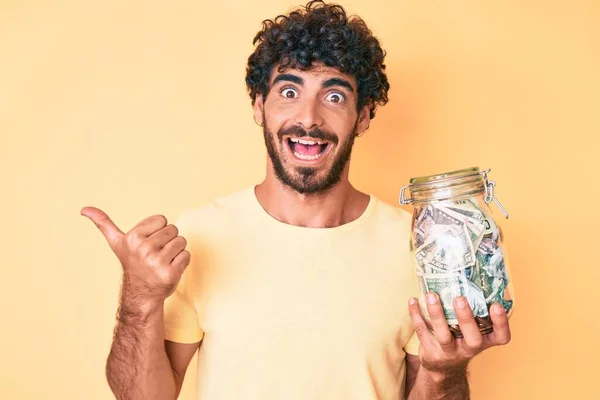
294, 313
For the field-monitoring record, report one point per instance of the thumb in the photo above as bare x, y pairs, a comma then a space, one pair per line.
108, 228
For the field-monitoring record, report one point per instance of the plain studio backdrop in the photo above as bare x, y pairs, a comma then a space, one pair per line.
140, 108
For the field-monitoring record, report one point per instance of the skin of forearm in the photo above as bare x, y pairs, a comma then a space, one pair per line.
450, 385
137, 366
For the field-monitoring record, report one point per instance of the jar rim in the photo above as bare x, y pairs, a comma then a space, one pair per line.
461, 173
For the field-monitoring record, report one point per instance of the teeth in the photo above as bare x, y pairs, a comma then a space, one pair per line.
305, 157
307, 142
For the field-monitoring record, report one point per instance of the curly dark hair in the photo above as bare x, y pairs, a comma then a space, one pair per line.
323, 33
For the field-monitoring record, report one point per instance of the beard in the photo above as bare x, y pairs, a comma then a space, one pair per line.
307, 180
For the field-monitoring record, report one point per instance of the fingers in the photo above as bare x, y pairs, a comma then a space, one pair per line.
423, 332
181, 261
160, 238
150, 225
471, 335
438, 320
153, 232
173, 248
500, 321
108, 228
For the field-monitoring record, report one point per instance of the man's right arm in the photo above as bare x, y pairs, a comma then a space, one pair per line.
137, 366
141, 363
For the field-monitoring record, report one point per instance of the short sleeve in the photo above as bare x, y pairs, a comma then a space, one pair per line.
180, 316
412, 345
181, 320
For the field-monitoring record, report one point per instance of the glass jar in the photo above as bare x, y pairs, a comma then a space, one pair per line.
456, 245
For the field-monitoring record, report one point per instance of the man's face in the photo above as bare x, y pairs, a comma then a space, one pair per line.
310, 121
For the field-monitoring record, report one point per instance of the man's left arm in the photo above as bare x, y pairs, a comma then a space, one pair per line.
440, 369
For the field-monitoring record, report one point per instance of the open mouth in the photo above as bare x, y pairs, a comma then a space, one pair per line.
307, 149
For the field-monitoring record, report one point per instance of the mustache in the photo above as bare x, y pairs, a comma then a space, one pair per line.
298, 131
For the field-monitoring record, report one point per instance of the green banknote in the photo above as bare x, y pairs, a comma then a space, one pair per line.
458, 254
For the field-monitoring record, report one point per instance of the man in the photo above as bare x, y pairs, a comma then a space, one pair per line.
299, 287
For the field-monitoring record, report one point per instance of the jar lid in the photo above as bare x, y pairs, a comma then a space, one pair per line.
451, 185
461, 173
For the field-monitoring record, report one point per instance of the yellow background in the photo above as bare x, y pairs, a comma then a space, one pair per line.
140, 108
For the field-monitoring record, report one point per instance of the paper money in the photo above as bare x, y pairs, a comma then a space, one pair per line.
475, 218
490, 226
475, 227
447, 286
435, 216
467, 208
447, 242
458, 253
487, 245
423, 226
476, 299
497, 278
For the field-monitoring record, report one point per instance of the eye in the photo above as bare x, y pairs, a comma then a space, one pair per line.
289, 93
336, 97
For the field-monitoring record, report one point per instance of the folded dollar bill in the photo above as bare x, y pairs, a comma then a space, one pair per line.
457, 253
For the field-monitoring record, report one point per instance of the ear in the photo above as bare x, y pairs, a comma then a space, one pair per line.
258, 109
364, 120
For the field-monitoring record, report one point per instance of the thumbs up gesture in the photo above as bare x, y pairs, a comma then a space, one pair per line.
152, 255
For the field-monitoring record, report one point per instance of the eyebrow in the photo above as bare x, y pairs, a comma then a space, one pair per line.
328, 83
338, 82
288, 78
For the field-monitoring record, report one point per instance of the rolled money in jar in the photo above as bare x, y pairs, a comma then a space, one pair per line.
457, 246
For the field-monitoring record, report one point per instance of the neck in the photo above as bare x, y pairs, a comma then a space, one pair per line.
338, 206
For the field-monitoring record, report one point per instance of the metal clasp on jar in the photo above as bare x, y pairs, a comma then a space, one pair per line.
489, 192
403, 200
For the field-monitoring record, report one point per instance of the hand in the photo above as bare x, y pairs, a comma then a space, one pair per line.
439, 351
153, 257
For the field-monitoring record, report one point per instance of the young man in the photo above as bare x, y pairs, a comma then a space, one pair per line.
299, 287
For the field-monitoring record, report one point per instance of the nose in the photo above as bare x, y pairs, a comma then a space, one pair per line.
309, 116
